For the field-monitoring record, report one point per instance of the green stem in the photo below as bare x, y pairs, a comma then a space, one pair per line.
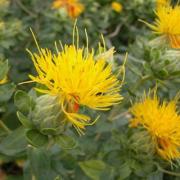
50, 144
169, 172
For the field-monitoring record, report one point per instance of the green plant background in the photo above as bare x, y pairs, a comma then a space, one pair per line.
109, 150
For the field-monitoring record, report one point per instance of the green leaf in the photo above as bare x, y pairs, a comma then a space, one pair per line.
40, 164
24, 120
175, 73
124, 171
108, 173
49, 131
155, 176
93, 168
3, 132
23, 101
144, 168
65, 142
35, 138
162, 73
14, 143
6, 91
3, 69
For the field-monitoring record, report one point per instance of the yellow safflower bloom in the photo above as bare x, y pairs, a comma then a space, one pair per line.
78, 78
162, 121
73, 7
167, 23
116, 6
3, 81
162, 2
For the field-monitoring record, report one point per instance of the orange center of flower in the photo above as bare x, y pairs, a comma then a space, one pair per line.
73, 105
76, 107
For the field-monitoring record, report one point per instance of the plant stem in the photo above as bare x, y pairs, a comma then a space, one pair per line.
169, 172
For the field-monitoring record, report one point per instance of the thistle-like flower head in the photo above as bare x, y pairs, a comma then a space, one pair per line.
78, 78
73, 7
167, 22
162, 121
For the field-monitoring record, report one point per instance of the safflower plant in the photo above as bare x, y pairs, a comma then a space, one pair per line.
71, 79
100, 104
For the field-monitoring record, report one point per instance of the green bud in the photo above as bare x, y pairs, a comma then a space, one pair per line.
142, 143
168, 65
47, 115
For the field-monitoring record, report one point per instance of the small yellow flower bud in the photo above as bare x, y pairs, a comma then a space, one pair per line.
116, 6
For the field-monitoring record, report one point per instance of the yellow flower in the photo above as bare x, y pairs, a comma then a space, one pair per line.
167, 23
73, 7
78, 78
116, 6
162, 2
3, 81
162, 121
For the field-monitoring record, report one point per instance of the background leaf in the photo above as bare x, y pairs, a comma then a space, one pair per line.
15, 143
93, 168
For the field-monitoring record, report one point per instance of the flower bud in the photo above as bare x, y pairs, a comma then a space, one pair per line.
47, 115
